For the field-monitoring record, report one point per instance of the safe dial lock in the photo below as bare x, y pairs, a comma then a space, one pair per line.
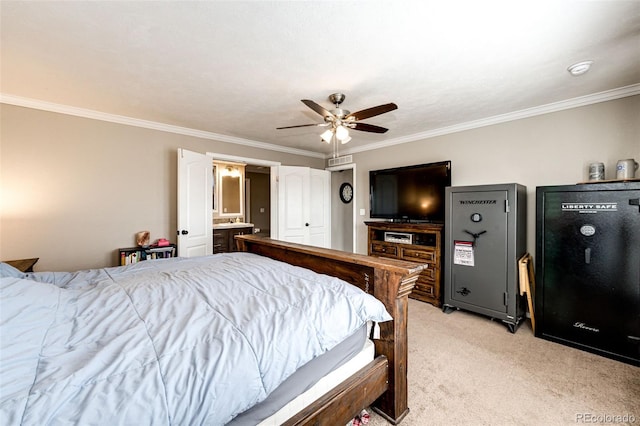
476, 217
587, 230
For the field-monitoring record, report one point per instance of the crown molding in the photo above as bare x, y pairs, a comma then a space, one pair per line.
153, 125
595, 98
608, 95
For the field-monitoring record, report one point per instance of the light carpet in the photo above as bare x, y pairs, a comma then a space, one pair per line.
466, 369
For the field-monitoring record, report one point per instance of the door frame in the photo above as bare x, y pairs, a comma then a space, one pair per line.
245, 160
354, 210
273, 208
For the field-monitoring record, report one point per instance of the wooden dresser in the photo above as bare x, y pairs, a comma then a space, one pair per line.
414, 242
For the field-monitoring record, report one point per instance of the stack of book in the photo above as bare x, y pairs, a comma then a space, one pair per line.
137, 254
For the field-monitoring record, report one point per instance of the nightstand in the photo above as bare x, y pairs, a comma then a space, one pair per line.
24, 265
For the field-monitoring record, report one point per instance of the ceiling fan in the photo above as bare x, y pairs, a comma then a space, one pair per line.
340, 120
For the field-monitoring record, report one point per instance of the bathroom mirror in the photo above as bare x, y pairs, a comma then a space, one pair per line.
231, 195
230, 190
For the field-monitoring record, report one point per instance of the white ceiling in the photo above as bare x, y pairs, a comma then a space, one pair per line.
238, 69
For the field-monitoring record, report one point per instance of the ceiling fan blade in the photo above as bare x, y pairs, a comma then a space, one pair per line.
302, 125
372, 112
368, 128
317, 108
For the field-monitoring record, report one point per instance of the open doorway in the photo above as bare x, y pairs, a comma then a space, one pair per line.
257, 194
343, 211
258, 198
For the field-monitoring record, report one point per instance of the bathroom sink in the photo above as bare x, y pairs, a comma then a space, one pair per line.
226, 225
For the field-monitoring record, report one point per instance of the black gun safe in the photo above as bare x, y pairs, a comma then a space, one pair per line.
588, 267
485, 234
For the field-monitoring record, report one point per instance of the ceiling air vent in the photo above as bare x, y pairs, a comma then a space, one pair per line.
345, 159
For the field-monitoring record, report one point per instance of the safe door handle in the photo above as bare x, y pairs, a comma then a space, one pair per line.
475, 236
464, 291
587, 256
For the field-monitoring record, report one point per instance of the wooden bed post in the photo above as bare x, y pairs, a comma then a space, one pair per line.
396, 287
390, 281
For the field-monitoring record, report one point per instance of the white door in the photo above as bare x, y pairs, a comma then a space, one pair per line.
195, 204
319, 208
303, 206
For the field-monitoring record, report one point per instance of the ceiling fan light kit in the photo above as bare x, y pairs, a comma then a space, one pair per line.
327, 136
341, 120
342, 133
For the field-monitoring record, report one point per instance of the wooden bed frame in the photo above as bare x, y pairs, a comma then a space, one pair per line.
382, 384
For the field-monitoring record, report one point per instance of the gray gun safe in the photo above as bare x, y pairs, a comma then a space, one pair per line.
485, 235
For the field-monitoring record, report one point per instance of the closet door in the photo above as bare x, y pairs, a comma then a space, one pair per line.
304, 205
319, 208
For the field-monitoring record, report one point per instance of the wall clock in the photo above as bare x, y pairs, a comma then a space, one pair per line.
346, 192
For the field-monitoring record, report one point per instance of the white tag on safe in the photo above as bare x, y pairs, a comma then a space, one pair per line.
463, 253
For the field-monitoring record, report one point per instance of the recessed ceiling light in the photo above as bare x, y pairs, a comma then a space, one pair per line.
579, 68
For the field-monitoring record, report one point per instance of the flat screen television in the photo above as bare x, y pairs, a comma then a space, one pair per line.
412, 193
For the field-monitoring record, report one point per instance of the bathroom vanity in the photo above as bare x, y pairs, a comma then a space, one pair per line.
224, 235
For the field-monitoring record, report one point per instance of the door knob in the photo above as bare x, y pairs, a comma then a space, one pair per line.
306, 224
184, 232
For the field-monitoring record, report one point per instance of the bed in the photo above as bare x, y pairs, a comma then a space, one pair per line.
144, 343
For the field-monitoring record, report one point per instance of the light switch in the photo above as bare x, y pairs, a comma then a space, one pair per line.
362, 213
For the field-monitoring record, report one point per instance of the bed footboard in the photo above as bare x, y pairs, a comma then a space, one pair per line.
336, 407
390, 281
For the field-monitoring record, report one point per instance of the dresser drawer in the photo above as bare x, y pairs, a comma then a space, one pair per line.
384, 250
427, 274
418, 255
426, 289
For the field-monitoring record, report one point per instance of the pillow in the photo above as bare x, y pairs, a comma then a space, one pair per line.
7, 271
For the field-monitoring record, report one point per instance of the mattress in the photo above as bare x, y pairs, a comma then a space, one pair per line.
311, 381
323, 386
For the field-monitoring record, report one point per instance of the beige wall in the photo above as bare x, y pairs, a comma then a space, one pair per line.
550, 149
74, 189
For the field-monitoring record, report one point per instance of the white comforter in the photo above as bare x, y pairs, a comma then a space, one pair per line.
176, 341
